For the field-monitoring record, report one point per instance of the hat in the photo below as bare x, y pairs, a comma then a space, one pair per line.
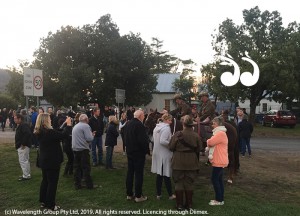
187, 120
203, 93
177, 96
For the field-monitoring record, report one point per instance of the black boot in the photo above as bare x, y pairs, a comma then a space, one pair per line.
188, 199
179, 200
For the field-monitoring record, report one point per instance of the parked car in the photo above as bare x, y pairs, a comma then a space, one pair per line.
279, 118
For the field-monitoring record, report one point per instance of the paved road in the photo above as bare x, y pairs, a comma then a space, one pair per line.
276, 144
263, 143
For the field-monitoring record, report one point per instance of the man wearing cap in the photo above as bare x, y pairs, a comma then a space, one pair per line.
207, 109
182, 109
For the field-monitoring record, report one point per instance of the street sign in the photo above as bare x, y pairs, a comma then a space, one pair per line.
120, 96
33, 82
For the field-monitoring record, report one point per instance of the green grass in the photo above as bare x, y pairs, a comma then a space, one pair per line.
267, 131
239, 200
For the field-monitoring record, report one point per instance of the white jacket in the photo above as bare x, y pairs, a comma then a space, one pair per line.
161, 155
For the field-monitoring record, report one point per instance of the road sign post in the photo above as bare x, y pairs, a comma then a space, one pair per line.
33, 83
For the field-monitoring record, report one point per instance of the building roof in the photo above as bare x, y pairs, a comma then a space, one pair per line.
165, 82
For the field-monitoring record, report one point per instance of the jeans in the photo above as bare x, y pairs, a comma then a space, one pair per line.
135, 170
217, 181
49, 187
82, 168
97, 144
24, 161
109, 154
245, 142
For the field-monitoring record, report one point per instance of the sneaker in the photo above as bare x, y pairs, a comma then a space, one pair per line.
158, 197
140, 199
172, 197
23, 179
42, 205
229, 181
129, 198
215, 202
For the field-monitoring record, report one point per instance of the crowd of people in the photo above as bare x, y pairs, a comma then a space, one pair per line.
175, 157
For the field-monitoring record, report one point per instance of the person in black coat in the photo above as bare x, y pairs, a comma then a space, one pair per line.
245, 131
111, 140
97, 126
23, 142
50, 157
137, 147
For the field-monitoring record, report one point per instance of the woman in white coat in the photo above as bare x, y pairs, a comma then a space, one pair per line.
161, 156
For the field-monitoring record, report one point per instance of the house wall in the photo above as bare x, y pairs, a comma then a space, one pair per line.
158, 102
260, 108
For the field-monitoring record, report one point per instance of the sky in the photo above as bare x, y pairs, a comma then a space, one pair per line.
184, 26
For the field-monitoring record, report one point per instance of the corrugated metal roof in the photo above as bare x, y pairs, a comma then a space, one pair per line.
165, 82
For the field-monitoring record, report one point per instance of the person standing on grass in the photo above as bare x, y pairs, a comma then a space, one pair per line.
23, 142
161, 156
82, 136
97, 126
137, 147
51, 157
185, 146
245, 131
122, 126
219, 141
111, 139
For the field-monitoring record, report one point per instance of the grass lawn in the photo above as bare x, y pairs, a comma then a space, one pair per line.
267, 131
245, 197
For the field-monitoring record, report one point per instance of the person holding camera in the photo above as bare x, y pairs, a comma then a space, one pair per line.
50, 157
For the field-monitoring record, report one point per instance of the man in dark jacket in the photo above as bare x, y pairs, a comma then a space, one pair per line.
245, 131
23, 142
137, 147
97, 126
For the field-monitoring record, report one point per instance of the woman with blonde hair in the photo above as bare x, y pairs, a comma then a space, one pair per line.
219, 142
50, 157
111, 139
161, 156
122, 126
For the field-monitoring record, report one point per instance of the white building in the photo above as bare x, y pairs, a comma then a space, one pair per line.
264, 106
163, 97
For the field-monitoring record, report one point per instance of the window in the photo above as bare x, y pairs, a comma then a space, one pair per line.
167, 104
264, 107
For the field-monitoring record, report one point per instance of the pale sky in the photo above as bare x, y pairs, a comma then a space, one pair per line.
185, 26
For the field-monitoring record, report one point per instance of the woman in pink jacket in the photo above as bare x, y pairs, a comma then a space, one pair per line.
219, 143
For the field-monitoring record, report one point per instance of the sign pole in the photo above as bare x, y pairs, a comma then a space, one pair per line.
27, 104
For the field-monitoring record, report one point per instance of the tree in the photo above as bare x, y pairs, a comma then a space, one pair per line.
185, 85
264, 38
8, 102
162, 61
15, 86
87, 64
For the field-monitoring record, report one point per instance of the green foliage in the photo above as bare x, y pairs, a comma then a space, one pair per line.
161, 60
269, 44
6, 101
185, 85
87, 64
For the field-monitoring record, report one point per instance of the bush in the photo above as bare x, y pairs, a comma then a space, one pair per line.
8, 102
